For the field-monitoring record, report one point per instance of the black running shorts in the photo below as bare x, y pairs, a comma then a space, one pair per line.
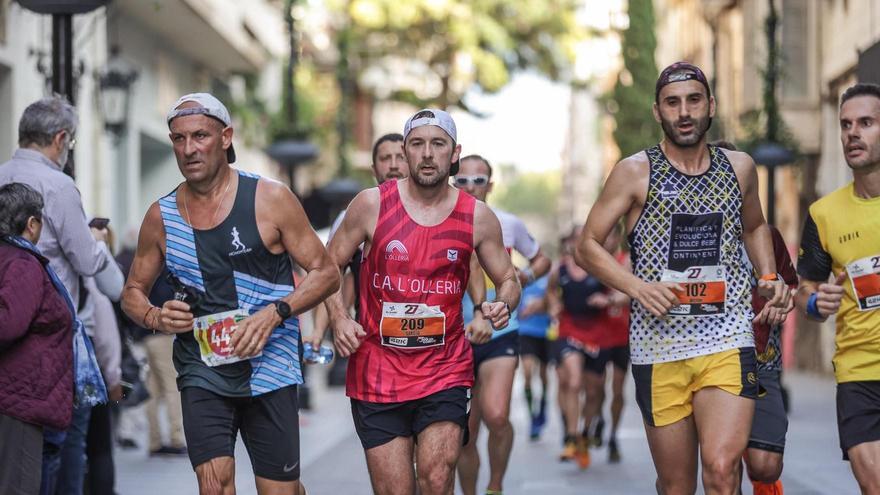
535, 346
770, 424
378, 423
269, 425
858, 413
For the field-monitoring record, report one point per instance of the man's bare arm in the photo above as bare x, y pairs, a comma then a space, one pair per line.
277, 206
303, 245
757, 238
478, 330
756, 232
496, 262
539, 265
357, 227
173, 316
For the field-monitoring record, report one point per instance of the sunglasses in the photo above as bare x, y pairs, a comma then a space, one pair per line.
477, 180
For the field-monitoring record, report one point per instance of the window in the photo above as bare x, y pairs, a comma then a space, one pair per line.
795, 49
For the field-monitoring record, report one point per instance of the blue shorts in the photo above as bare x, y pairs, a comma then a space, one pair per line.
505, 346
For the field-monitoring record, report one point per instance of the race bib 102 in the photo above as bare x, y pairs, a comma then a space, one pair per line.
704, 290
694, 262
865, 277
412, 325
214, 335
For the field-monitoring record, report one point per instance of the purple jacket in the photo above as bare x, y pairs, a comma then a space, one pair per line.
36, 342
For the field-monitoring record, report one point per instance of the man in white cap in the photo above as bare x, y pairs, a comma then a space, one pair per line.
411, 365
227, 238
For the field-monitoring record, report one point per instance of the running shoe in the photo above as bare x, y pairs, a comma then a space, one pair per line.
538, 422
582, 453
597, 428
613, 451
568, 450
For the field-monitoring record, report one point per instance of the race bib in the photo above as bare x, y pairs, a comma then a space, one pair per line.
412, 325
694, 263
214, 335
865, 277
704, 291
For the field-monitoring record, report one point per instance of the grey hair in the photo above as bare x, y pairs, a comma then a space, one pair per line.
18, 202
45, 118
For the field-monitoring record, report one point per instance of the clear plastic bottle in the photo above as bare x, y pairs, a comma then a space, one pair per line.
321, 355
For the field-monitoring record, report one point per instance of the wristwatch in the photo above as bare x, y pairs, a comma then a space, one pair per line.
282, 308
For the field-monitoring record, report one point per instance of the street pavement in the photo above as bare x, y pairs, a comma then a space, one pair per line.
333, 461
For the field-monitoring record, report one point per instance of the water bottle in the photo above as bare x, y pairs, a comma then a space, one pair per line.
321, 355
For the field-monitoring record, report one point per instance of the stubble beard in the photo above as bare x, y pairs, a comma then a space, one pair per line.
700, 127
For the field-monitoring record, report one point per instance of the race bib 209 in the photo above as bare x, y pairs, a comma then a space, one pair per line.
412, 325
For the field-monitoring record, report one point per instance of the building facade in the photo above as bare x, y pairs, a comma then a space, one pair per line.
176, 47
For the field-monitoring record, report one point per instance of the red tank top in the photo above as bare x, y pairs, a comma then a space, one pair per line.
411, 286
615, 320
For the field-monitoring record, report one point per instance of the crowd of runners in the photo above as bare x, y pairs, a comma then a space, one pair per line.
675, 274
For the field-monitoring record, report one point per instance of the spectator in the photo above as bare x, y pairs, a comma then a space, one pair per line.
36, 342
45, 137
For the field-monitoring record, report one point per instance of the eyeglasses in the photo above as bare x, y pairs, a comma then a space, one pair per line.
71, 144
477, 180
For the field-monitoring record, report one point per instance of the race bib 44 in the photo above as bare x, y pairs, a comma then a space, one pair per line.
865, 277
214, 335
412, 325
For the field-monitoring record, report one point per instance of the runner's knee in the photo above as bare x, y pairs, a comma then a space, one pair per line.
496, 418
435, 476
215, 477
719, 474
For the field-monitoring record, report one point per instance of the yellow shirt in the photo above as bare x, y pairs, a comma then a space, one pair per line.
845, 236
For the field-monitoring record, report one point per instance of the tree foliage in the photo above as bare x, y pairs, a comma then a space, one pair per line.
433, 51
633, 94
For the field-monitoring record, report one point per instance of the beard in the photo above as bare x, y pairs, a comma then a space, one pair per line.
391, 175
433, 181
700, 126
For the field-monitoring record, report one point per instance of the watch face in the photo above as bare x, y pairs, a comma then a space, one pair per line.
283, 309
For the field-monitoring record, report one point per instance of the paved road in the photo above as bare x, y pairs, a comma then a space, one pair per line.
333, 461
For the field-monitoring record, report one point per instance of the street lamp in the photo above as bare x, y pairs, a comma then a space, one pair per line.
115, 83
771, 155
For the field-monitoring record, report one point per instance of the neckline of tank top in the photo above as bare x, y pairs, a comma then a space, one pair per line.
231, 211
712, 163
458, 199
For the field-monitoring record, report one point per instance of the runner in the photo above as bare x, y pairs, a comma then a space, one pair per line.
841, 237
228, 237
494, 362
689, 208
613, 343
411, 365
763, 458
572, 295
535, 350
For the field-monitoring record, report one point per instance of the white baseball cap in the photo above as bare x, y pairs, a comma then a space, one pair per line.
431, 116
208, 105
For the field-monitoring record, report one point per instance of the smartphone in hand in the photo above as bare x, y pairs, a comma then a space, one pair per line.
99, 223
